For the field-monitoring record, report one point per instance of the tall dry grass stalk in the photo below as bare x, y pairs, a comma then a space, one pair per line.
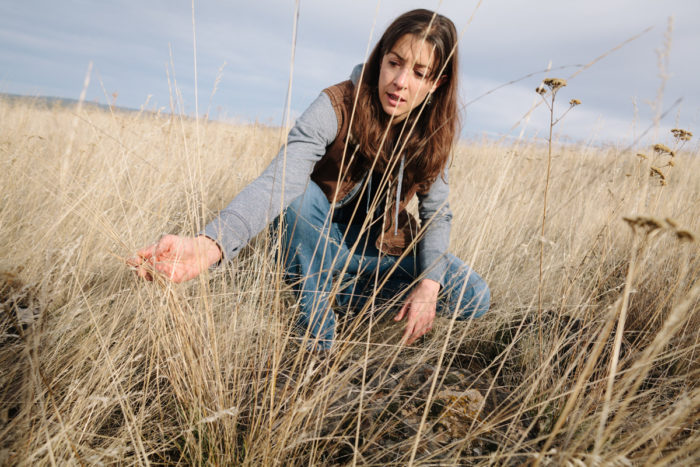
99, 367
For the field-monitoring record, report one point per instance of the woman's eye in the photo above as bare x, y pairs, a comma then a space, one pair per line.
420, 74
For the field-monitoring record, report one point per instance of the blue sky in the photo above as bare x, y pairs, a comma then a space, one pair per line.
45, 48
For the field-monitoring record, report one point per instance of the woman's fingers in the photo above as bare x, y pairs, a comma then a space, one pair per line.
154, 256
167, 246
172, 250
407, 310
171, 270
414, 325
399, 316
148, 252
415, 334
177, 258
171, 257
144, 255
419, 321
409, 334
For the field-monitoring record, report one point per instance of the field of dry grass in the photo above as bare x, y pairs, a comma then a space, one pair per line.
99, 367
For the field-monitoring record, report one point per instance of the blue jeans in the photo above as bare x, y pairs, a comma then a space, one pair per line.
317, 249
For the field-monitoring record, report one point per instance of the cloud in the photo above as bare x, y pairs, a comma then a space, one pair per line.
517, 108
46, 46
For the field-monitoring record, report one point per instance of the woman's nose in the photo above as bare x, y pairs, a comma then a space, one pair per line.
401, 78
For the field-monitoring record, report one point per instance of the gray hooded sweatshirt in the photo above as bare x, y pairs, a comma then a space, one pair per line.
261, 201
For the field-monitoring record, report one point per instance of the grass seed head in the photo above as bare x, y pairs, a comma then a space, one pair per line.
642, 156
574, 102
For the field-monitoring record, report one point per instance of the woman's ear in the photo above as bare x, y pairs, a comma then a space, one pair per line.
438, 82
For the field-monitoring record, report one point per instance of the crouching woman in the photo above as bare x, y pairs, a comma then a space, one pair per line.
353, 161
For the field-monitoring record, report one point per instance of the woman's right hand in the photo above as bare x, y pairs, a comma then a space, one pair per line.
178, 258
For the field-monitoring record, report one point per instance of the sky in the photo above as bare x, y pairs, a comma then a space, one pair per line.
143, 54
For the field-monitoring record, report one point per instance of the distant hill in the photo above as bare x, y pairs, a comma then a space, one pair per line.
50, 101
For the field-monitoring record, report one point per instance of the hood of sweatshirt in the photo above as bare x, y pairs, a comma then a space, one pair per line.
356, 72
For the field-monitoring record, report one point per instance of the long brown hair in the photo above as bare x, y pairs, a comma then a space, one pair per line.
426, 142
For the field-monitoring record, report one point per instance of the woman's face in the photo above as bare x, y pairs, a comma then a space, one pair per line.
403, 76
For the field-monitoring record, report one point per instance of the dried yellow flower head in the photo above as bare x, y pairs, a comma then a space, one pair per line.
682, 135
642, 156
631, 221
554, 83
540, 90
651, 224
657, 171
685, 235
574, 102
671, 163
662, 148
648, 223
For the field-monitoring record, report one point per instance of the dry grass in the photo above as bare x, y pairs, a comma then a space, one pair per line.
98, 367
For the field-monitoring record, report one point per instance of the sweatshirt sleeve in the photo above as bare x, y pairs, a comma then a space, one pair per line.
434, 211
281, 182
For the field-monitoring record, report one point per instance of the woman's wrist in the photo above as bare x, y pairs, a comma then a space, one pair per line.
430, 284
211, 250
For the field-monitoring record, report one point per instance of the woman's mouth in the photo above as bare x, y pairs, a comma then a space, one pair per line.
394, 99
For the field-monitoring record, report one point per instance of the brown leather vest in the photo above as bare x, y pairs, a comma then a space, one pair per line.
341, 169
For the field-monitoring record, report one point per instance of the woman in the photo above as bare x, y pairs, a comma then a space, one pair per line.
353, 161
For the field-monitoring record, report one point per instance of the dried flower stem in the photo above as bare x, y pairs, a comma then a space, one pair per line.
554, 84
544, 220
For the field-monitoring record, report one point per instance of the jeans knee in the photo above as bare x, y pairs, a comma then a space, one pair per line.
475, 302
481, 300
467, 290
307, 215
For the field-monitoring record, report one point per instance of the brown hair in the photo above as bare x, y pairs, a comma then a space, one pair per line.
426, 142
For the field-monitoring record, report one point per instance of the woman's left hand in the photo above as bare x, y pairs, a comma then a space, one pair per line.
419, 310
